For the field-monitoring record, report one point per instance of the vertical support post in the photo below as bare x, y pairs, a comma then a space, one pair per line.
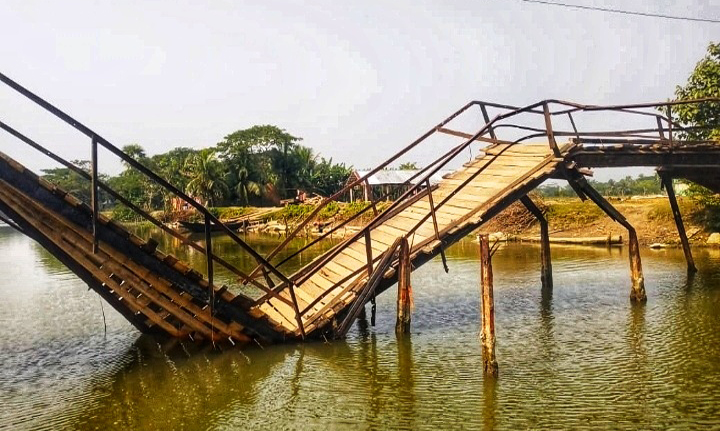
660, 127
435, 225
546, 274
368, 252
637, 290
575, 129
208, 252
670, 127
487, 305
549, 131
486, 117
371, 196
404, 294
210, 269
668, 184
94, 193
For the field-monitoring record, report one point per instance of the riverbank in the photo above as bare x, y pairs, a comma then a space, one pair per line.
570, 218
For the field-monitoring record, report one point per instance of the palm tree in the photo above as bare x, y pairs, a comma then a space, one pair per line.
205, 175
246, 187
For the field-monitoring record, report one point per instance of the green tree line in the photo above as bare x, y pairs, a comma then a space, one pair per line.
643, 185
254, 166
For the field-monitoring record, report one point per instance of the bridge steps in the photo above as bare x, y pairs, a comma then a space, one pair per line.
157, 292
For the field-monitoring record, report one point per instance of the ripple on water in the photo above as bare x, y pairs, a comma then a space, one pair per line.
581, 358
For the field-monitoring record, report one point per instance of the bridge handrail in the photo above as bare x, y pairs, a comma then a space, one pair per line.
209, 218
489, 127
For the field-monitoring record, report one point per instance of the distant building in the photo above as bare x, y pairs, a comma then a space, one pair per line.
388, 182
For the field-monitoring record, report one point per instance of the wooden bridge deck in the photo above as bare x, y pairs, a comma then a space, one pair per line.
501, 171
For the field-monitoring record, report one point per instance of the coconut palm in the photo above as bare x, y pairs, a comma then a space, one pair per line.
246, 187
205, 174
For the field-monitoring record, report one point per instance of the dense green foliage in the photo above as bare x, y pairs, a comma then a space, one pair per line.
643, 185
259, 165
703, 82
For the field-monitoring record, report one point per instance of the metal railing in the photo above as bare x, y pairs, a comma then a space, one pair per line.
96, 140
419, 184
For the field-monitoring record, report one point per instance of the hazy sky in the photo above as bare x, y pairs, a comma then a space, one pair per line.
356, 80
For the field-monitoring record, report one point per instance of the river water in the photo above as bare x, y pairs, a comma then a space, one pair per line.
582, 359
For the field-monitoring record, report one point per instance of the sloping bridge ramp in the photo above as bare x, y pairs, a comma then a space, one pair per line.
491, 182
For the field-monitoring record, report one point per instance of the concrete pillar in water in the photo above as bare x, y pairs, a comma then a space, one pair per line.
546, 274
637, 290
402, 325
668, 184
487, 309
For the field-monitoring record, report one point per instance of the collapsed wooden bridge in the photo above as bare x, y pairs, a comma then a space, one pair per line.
160, 294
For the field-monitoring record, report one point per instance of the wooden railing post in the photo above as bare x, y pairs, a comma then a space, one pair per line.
549, 131
486, 117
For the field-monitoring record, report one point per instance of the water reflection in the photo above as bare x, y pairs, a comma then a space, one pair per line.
579, 357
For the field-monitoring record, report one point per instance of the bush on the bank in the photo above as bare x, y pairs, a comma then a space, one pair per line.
122, 213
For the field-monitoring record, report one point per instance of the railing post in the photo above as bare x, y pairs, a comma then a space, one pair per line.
208, 252
210, 270
670, 127
298, 316
575, 129
368, 252
94, 193
549, 131
435, 225
660, 127
371, 197
486, 117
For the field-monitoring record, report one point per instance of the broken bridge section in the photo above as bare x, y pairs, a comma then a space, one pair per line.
515, 150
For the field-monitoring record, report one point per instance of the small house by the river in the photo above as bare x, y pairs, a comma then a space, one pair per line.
390, 183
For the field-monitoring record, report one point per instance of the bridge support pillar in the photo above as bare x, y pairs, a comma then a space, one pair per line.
546, 275
487, 309
404, 294
637, 290
667, 182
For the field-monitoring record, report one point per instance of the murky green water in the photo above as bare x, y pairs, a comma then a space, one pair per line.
583, 359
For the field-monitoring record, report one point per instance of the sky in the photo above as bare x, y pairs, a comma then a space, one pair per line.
356, 80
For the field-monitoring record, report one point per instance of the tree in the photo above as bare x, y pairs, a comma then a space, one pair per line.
246, 188
265, 152
703, 82
205, 177
70, 181
134, 185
